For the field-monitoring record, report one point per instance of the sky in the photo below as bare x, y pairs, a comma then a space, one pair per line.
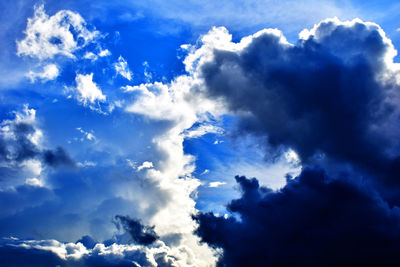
199, 133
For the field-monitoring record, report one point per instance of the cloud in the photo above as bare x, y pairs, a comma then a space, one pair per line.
92, 56
216, 184
57, 157
21, 144
24, 159
201, 130
88, 135
330, 100
49, 36
50, 72
121, 68
331, 96
15, 252
140, 234
145, 165
313, 220
222, 77
88, 91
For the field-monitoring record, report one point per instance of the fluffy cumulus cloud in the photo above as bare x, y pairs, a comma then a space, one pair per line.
49, 36
49, 72
87, 91
331, 99
85, 252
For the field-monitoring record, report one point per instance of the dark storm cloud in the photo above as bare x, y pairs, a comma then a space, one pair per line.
326, 95
140, 234
332, 98
313, 221
57, 157
25, 149
21, 147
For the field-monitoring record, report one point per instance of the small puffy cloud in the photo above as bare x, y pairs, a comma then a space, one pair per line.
216, 184
121, 68
145, 165
60, 34
92, 56
104, 53
88, 135
50, 72
88, 91
34, 182
202, 130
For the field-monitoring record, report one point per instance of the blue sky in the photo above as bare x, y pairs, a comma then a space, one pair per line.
121, 121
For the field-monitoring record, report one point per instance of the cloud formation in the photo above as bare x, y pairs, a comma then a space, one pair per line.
330, 96
49, 72
315, 220
60, 34
15, 252
140, 234
21, 144
331, 99
87, 91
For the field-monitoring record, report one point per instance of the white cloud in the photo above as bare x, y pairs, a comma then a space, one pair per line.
205, 172
34, 182
202, 130
87, 90
114, 254
216, 184
48, 36
104, 53
92, 56
50, 72
87, 164
181, 103
145, 165
121, 67
88, 135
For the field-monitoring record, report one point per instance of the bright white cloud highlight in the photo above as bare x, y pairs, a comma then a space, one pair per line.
145, 165
88, 91
121, 67
216, 184
50, 72
60, 34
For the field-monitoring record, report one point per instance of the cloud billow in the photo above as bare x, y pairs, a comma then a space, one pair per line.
140, 234
331, 98
313, 221
327, 95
